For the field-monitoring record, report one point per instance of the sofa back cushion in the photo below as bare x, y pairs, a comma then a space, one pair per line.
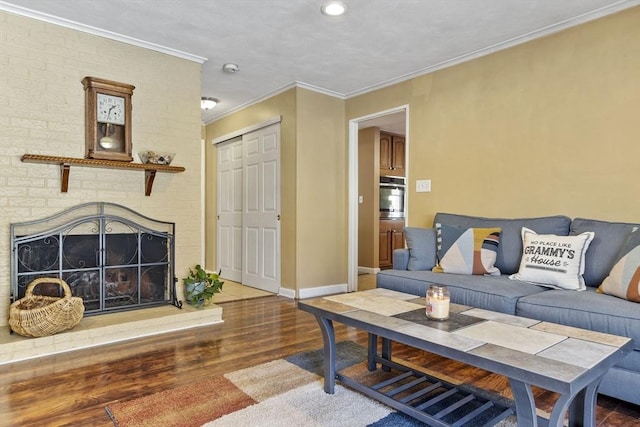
510, 248
421, 243
605, 247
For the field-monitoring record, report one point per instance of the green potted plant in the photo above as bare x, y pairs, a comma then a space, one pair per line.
200, 285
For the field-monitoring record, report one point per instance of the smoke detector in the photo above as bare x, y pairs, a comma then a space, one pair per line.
230, 68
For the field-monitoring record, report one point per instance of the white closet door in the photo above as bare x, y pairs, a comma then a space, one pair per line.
261, 209
229, 245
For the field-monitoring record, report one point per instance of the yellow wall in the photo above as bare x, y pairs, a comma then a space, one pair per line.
321, 164
283, 105
42, 112
547, 127
313, 184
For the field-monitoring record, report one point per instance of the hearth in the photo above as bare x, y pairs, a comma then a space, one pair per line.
111, 256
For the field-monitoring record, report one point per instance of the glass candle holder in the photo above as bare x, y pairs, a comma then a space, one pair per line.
438, 301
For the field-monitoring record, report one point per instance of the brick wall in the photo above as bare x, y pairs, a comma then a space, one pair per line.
42, 112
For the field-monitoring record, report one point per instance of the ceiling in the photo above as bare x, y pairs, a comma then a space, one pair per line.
278, 44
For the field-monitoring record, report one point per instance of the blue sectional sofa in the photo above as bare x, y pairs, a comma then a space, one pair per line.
587, 309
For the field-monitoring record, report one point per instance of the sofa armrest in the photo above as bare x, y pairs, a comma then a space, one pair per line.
400, 259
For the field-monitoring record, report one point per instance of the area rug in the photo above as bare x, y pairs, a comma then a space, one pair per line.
285, 392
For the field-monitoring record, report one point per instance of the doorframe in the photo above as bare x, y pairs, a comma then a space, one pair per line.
352, 247
203, 204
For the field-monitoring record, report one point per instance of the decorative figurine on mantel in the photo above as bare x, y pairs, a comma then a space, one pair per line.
107, 119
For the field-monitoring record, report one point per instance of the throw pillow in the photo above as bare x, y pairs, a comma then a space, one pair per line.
467, 250
421, 243
553, 261
624, 279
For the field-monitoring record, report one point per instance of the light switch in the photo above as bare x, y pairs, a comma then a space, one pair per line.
423, 186
360, 199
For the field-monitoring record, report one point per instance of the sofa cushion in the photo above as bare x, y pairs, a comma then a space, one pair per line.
510, 249
587, 310
621, 383
421, 243
467, 250
624, 279
631, 361
554, 261
603, 251
495, 293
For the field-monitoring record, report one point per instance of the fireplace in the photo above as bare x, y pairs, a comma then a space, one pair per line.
111, 256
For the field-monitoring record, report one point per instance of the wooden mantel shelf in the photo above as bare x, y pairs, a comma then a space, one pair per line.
66, 162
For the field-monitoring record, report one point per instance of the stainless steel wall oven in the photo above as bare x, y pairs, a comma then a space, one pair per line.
392, 196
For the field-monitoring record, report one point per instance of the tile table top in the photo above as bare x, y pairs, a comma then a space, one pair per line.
556, 351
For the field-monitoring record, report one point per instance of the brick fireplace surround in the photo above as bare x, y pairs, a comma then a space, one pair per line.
43, 114
120, 262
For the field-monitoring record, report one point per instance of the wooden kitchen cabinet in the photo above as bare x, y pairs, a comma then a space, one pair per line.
391, 238
392, 154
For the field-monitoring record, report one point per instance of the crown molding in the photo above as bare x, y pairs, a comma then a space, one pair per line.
17, 10
321, 90
249, 103
272, 94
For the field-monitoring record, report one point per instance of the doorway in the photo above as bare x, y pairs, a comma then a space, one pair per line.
395, 121
248, 200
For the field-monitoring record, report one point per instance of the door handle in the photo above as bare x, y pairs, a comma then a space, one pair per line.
278, 217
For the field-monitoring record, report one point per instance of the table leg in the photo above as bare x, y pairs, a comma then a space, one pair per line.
525, 403
329, 354
559, 410
386, 352
583, 407
372, 351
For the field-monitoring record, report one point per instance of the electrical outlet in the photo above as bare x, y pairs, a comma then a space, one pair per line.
423, 186
360, 199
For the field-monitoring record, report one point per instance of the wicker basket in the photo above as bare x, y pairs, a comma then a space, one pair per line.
40, 315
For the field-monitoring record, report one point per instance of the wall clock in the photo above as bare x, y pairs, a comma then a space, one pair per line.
107, 119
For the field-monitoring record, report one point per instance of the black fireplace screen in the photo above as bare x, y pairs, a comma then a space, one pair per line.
109, 255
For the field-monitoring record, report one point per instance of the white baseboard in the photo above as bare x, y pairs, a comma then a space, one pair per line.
287, 293
320, 291
368, 270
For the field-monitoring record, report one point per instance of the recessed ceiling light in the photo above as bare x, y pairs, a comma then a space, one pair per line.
208, 103
333, 8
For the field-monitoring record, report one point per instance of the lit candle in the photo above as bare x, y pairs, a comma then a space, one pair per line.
438, 301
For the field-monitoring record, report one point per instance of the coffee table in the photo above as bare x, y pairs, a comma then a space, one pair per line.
565, 360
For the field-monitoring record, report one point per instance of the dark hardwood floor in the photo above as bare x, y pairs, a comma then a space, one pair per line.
74, 388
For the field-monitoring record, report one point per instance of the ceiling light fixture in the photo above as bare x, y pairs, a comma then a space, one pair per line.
208, 103
333, 8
